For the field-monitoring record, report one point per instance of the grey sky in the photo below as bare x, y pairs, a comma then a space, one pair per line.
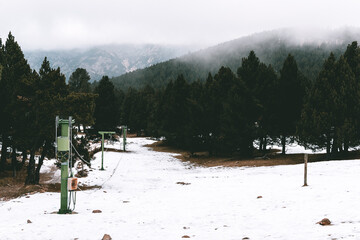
50, 24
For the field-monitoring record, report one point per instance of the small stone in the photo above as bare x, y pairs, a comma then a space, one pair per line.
28, 221
185, 236
106, 237
324, 222
183, 183
104, 191
259, 197
245, 238
97, 211
27, 197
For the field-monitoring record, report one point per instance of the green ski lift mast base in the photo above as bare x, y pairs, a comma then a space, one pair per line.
63, 152
102, 147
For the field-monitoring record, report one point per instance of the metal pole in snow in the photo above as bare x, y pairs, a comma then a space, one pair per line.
124, 137
305, 169
102, 151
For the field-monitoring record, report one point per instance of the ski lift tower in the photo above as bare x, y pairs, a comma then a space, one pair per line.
102, 147
63, 152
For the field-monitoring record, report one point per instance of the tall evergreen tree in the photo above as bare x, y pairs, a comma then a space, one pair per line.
319, 115
249, 72
237, 122
105, 108
175, 109
49, 101
352, 57
330, 115
347, 102
79, 81
291, 93
261, 80
266, 95
16, 77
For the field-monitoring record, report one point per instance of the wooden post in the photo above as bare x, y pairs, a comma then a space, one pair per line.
305, 169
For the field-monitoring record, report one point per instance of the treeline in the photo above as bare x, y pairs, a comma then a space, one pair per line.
230, 112
30, 100
225, 114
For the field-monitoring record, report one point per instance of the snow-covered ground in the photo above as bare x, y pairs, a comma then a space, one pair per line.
140, 199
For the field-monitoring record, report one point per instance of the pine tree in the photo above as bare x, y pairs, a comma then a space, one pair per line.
352, 57
266, 95
319, 115
237, 121
249, 72
79, 81
175, 112
16, 90
347, 104
261, 80
49, 101
330, 115
105, 106
290, 99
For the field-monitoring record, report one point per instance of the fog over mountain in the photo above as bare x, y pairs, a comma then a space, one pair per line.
116, 60
111, 60
310, 47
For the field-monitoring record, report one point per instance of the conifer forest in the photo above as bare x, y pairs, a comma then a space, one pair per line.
230, 113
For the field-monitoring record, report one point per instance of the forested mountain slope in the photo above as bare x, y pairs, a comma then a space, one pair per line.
271, 48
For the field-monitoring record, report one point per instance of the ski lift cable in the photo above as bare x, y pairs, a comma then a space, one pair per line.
112, 174
80, 155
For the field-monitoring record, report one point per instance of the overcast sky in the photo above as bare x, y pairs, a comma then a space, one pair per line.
54, 24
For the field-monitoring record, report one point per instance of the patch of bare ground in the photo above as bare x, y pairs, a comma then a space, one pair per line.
11, 187
271, 158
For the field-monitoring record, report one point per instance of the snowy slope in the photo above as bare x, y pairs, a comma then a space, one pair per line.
142, 200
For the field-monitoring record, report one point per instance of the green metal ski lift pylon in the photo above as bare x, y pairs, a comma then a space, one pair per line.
102, 146
62, 149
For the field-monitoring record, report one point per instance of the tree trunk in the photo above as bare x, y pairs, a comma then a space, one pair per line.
4, 153
283, 143
13, 161
264, 145
24, 157
346, 146
41, 160
334, 149
328, 148
30, 179
261, 143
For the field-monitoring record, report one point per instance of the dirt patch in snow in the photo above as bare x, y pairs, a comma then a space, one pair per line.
11, 187
271, 159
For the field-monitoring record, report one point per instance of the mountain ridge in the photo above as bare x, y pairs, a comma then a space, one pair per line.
111, 60
310, 49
